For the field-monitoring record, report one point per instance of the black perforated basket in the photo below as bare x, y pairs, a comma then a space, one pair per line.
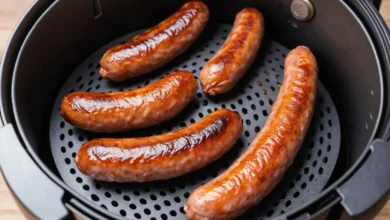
252, 98
56, 50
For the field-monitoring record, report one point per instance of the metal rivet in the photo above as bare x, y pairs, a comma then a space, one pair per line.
302, 10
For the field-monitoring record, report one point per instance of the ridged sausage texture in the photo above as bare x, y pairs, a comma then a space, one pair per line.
236, 55
271, 153
157, 46
164, 156
138, 108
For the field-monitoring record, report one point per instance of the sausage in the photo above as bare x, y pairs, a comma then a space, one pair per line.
236, 55
164, 156
259, 169
138, 108
157, 46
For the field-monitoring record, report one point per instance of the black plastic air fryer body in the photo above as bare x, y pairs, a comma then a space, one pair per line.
349, 39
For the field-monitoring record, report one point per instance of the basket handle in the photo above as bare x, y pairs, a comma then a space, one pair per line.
362, 191
29, 184
370, 183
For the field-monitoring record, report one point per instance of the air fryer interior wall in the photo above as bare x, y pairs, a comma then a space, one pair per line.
71, 30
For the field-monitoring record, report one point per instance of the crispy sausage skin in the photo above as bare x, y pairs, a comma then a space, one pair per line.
138, 108
271, 153
164, 156
236, 55
157, 46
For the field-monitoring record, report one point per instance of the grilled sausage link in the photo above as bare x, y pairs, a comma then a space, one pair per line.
138, 108
236, 55
271, 153
157, 46
164, 156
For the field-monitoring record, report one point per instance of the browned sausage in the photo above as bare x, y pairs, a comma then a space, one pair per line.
272, 151
236, 55
164, 156
138, 108
157, 46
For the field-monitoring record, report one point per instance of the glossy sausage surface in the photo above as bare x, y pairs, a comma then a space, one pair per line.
236, 55
157, 46
138, 108
262, 166
163, 156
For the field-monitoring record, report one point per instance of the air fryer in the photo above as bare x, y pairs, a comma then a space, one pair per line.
340, 171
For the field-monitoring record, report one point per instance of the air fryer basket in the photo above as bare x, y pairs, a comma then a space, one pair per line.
252, 98
60, 54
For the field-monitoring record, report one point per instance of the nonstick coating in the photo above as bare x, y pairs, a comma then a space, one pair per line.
252, 98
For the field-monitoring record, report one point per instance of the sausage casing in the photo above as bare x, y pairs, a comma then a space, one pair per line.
138, 108
163, 156
261, 167
236, 55
157, 46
